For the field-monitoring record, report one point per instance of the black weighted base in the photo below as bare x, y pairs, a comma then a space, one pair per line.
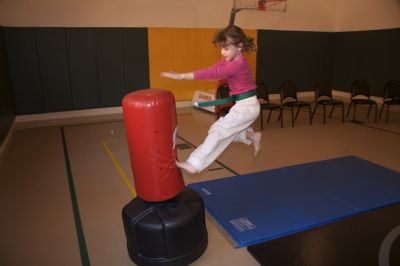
166, 233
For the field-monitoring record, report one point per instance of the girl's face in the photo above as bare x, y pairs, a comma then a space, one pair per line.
230, 52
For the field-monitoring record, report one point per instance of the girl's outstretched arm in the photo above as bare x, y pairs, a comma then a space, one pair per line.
178, 76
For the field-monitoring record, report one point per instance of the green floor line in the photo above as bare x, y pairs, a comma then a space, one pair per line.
78, 224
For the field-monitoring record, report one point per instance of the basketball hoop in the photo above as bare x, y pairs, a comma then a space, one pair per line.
260, 5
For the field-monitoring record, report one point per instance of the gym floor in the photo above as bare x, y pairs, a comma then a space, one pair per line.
62, 188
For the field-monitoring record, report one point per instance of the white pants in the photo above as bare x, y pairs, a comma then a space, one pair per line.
229, 128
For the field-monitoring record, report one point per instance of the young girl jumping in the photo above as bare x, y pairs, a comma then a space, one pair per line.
235, 126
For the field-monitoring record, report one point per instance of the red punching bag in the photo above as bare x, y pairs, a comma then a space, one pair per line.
150, 125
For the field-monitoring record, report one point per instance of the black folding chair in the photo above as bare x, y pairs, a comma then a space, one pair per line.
263, 94
323, 97
360, 95
289, 100
391, 97
222, 92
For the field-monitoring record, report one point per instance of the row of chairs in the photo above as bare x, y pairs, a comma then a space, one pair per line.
360, 95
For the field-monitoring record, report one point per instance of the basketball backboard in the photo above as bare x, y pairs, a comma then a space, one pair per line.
261, 5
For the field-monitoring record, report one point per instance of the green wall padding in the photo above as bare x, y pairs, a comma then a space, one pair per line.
342, 58
370, 55
56, 69
7, 108
301, 57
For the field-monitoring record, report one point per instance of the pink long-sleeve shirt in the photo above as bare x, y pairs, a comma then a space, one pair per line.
236, 72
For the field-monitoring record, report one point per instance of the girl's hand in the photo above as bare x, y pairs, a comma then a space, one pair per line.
178, 76
170, 75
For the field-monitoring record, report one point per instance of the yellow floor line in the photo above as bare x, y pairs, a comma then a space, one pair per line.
119, 168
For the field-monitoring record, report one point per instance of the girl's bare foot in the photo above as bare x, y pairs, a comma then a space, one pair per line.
187, 167
255, 138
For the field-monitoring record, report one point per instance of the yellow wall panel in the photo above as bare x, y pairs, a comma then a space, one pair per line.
184, 50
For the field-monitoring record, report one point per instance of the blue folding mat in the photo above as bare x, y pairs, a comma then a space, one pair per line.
257, 207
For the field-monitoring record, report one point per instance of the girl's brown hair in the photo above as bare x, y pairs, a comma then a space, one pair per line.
234, 35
